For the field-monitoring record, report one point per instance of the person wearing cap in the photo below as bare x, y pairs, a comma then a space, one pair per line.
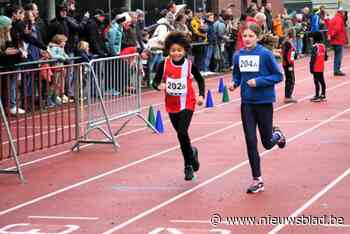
68, 26
338, 38
93, 33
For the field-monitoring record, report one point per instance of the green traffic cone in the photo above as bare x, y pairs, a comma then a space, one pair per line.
225, 96
151, 116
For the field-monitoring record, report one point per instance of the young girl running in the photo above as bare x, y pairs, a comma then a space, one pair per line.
256, 71
175, 75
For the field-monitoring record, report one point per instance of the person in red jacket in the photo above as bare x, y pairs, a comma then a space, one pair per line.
244, 21
175, 75
338, 38
288, 55
318, 58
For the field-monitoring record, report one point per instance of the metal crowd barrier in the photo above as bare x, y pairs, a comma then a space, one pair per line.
112, 92
37, 113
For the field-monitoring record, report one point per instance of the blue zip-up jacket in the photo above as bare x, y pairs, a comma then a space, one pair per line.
262, 66
315, 23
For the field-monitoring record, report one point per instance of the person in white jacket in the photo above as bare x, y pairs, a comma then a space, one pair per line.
156, 43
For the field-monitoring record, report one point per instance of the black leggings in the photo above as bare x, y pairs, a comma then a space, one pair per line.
290, 81
319, 81
181, 122
260, 115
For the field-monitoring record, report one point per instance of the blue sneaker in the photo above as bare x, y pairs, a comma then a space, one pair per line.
282, 141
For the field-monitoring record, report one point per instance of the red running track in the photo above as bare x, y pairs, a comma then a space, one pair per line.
140, 189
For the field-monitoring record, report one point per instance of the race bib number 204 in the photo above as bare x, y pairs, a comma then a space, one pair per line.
249, 63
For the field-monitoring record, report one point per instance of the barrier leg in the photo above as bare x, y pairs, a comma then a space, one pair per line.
18, 170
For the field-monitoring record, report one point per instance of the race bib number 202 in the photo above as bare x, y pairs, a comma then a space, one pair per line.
249, 63
176, 87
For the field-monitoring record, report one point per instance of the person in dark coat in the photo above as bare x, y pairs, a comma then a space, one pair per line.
93, 33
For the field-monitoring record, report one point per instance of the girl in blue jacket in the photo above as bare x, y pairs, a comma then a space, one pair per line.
256, 71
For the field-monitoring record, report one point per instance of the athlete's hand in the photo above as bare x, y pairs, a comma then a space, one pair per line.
200, 100
161, 86
251, 83
232, 87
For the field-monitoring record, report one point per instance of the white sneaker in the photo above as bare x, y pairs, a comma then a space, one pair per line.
15, 111
203, 73
65, 99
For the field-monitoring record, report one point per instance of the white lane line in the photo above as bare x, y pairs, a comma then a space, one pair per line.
312, 200
209, 181
137, 130
189, 221
336, 225
143, 160
61, 217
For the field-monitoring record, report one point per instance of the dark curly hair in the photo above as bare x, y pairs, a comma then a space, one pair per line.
177, 38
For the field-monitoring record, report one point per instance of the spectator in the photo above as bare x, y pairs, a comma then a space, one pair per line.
171, 15
19, 31
93, 33
84, 52
10, 55
140, 26
156, 43
315, 21
222, 38
85, 55
300, 29
189, 16
41, 25
306, 21
34, 54
114, 36
268, 14
181, 26
278, 29
212, 41
57, 51
197, 27
252, 10
68, 26
338, 39
131, 33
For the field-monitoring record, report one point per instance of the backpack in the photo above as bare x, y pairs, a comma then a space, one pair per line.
152, 28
